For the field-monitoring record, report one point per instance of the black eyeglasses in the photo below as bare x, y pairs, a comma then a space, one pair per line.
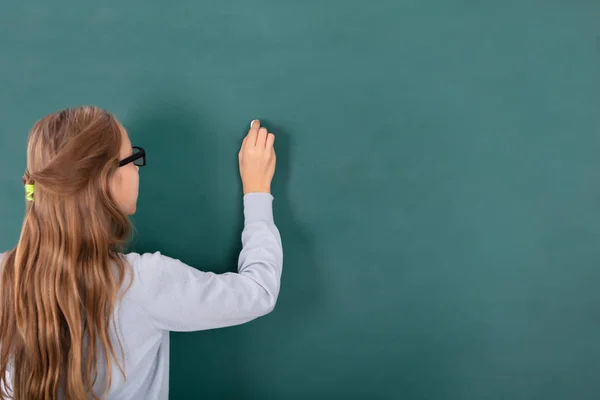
138, 157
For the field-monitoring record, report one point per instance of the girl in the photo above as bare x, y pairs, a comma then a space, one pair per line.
80, 319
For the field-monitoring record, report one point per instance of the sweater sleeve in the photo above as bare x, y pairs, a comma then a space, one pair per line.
178, 297
6, 389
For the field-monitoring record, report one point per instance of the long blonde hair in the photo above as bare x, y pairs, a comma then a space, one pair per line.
60, 284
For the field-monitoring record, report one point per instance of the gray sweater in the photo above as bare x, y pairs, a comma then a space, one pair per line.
167, 295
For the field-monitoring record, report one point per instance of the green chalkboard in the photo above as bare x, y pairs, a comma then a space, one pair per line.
437, 187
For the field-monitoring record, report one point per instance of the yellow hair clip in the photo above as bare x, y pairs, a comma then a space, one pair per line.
29, 190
